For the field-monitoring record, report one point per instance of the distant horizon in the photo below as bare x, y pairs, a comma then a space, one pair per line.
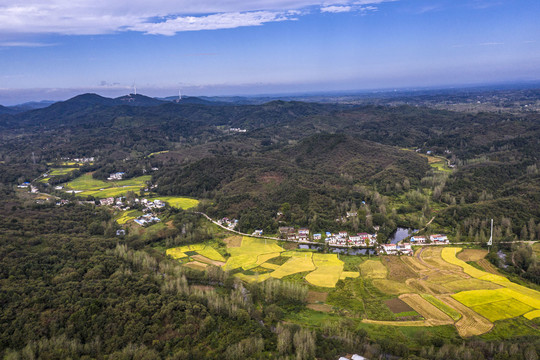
66, 94
57, 49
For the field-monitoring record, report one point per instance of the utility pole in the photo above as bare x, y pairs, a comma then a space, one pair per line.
490, 241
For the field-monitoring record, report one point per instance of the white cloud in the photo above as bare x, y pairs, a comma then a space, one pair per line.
336, 9
24, 44
211, 22
84, 17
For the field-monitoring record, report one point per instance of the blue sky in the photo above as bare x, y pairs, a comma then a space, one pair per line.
55, 49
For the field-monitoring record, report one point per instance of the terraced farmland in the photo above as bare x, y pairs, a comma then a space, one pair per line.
434, 283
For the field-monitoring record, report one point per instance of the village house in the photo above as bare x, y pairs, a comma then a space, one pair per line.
439, 239
107, 201
257, 233
303, 231
24, 185
317, 236
116, 176
418, 239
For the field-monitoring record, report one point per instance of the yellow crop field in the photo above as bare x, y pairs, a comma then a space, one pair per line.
204, 250
252, 278
325, 276
211, 253
478, 297
299, 262
328, 271
178, 202
176, 253
247, 254
532, 314
373, 269
449, 255
504, 309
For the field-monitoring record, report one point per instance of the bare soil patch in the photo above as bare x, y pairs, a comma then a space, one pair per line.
203, 287
316, 297
489, 267
206, 260
233, 241
271, 177
319, 307
472, 255
398, 306
170, 224
196, 265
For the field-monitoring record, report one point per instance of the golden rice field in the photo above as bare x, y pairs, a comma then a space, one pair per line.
204, 250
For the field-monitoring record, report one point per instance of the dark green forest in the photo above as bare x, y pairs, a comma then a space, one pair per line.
70, 288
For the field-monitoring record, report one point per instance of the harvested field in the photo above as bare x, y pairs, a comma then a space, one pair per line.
426, 309
392, 287
196, 265
398, 306
471, 323
414, 263
470, 284
489, 267
432, 257
397, 269
422, 286
472, 255
316, 297
373, 269
319, 307
233, 241
208, 261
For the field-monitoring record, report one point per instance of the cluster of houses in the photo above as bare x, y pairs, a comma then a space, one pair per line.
396, 249
230, 223
433, 239
344, 239
341, 238
26, 185
80, 160
149, 207
238, 130
147, 219
116, 176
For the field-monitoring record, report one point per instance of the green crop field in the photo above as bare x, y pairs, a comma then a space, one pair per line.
128, 215
177, 202
60, 171
101, 189
442, 306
